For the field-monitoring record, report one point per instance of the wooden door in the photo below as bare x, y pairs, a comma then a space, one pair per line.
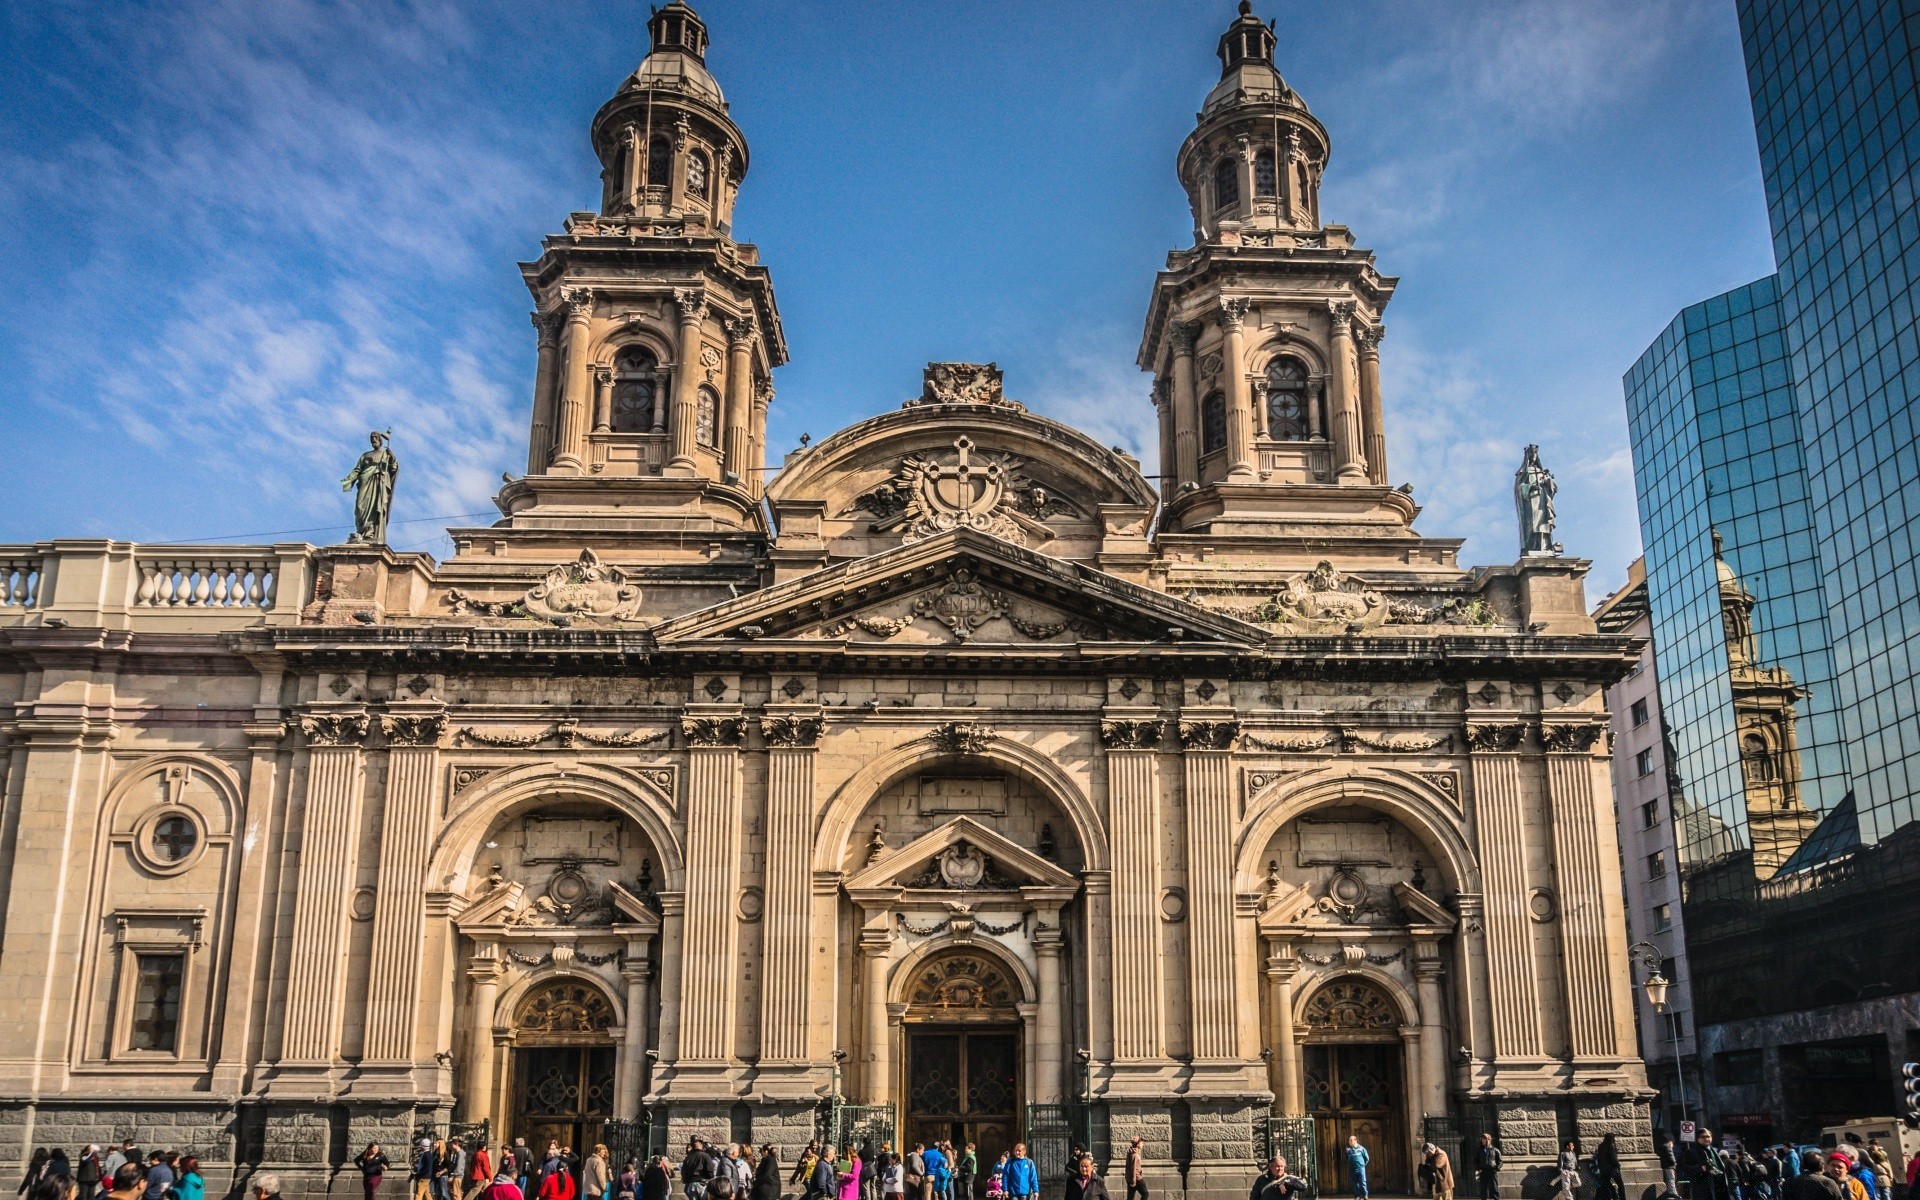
1353, 1089
963, 1085
564, 1094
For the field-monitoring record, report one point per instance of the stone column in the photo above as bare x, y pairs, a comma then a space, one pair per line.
1586, 888
1348, 467
1500, 825
677, 182
408, 822
1287, 166
1163, 410
673, 907
630, 183
786, 927
540, 447
1261, 412
571, 457
710, 965
875, 948
602, 399
1244, 151
1373, 413
476, 1098
1133, 807
633, 1046
1048, 946
323, 887
757, 438
1213, 985
692, 303
739, 396
1233, 312
1282, 966
1433, 1039
1186, 407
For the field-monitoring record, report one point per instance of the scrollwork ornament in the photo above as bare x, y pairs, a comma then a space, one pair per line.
1504, 737
335, 729
1130, 735
1209, 735
712, 731
962, 737
1571, 737
791, 731
423, 729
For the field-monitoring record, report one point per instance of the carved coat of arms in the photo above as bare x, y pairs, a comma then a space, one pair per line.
585, 587
969, 489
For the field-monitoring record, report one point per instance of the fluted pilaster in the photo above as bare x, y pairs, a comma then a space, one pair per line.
407, 828
1586, 896
1501, 826
1214, 981
1133, 806
786, 928
710, 964
323, 886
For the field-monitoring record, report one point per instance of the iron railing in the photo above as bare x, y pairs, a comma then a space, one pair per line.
470, 1133
1294, 1139
1053, 1130
853, 1124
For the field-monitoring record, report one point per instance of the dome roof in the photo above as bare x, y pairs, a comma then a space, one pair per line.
1247, 73
677, 71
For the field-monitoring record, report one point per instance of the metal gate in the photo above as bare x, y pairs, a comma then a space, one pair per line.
640, 1138
1459, 1136
852, 1124
470, 1133
1296, 1140
1053, 1130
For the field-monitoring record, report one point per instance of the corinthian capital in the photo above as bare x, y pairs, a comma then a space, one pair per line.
1233, 310
546, 326
1185, 334
740, 330
1367, 337
692, 303
579, 302
1341, 314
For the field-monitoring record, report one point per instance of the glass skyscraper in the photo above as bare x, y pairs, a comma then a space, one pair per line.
1777, 465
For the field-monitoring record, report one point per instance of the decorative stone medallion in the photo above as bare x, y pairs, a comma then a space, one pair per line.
585, 587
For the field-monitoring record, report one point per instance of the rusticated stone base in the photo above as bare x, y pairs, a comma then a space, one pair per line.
1223, 1154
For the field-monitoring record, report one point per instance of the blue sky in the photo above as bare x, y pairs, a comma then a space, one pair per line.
239, 233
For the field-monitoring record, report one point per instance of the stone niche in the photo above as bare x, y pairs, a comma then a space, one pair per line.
1340, 864
1006, 804
564, 855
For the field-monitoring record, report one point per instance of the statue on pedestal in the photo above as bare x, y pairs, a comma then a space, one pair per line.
371, 481
1533, 492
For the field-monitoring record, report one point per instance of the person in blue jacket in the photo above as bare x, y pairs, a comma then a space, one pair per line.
1022, 1178
1357, 1160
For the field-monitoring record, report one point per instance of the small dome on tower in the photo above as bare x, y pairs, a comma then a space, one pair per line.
677, 56
1247, 73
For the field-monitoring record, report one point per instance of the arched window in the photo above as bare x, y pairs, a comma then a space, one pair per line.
636, 383
1226, 182
1213, 423
697, 175
1265, 181
706, 424
659, 162
1287, 419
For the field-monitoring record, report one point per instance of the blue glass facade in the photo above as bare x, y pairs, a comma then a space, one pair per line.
1838, 116
1780, 417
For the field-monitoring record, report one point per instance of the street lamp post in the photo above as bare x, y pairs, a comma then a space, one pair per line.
1656, 984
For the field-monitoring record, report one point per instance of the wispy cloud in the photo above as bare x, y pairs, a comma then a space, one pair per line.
1491, 78
1093, 385
321, 221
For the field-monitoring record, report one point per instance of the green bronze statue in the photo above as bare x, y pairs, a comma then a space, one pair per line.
371, 481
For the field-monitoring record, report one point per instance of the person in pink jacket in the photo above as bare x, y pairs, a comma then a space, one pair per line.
849, 1168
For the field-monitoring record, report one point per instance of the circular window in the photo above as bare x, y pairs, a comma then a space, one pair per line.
169, 840
173, 839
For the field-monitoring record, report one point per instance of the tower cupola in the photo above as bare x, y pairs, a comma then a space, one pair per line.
1253, 162
667, 147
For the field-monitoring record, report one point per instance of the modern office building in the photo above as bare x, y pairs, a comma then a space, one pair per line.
1643, 794
1776, 462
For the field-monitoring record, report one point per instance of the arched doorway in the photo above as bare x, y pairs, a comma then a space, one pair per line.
1354, 1083
563, 1064
963, 1031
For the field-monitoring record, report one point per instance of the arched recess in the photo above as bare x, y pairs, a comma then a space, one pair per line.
1405, 1008
1422, 809
610, 344
521, 789
1283, 346
507, 1011
889, 767
900, 986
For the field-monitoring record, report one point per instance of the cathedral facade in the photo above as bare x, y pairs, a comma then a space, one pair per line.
949, 780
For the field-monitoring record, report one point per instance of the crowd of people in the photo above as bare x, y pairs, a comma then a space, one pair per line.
1856, 1171
120, 1173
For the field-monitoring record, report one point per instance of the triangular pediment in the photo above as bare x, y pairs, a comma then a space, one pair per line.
961, 855
960, 587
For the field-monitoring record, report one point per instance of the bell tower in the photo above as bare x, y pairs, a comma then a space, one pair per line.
657, 331
1264, 337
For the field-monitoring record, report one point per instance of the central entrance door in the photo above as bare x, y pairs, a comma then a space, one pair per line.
1353, 1089
963, 1085
563, 1066
565, 1095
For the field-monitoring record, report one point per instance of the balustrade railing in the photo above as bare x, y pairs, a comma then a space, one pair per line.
20, 578
206, 581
